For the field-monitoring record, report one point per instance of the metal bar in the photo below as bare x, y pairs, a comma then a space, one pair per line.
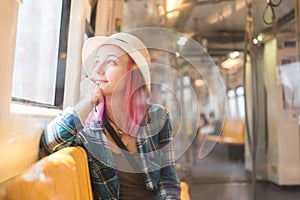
251, 48
297, 27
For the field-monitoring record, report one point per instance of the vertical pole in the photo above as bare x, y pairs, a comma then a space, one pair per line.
165, 17
251, 48
297, 27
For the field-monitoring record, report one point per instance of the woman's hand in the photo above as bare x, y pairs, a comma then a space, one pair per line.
90, 91
90, 95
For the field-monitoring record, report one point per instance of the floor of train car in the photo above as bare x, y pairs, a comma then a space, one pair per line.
218, 178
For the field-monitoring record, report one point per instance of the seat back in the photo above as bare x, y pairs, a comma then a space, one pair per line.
61, 175
234, 132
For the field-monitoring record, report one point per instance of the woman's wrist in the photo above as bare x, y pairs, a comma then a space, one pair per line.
84, 107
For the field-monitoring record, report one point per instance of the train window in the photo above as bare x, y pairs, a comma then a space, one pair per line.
40, 53
240, 101
232, 107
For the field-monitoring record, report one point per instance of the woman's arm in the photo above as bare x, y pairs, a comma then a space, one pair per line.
169, 184
62, 131
92, 96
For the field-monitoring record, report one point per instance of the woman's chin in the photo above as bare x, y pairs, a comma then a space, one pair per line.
103, 86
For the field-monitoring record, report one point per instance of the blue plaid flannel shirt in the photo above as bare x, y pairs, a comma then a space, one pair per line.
153, 143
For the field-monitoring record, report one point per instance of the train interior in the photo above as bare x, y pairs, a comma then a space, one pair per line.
227, 70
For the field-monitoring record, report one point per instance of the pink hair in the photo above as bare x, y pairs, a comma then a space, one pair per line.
135, 103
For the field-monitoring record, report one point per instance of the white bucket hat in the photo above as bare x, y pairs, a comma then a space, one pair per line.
132, 45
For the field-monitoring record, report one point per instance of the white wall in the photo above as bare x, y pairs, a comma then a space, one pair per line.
107, 13
15, 131
273, 104
283, 133
79, 10
8, 22
21, 126
260, 134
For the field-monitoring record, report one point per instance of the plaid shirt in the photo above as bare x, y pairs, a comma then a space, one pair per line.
153, 143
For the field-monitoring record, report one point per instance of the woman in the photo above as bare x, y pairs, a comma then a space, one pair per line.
128, 141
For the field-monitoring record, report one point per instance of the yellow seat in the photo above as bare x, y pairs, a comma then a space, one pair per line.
233, 133
61, 175
185, 195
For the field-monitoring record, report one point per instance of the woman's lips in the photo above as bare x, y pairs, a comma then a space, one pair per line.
100, 82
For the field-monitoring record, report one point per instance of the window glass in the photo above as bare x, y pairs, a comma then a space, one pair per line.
230, 93
232, 104
37, 46
240, 102
239, 91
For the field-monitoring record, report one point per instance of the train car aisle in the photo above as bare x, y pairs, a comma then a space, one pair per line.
218, 178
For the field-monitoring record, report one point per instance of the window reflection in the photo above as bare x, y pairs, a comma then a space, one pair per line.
37, 45
232, 104
240, 102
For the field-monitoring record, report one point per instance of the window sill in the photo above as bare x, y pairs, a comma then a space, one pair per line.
33, 111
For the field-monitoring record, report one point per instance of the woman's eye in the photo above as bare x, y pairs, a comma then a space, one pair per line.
111, 62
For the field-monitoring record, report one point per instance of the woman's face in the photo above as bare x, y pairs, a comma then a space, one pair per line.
110, 65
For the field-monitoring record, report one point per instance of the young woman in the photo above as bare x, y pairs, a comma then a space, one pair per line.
128, 141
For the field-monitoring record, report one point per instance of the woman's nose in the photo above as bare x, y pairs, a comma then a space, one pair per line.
100, 67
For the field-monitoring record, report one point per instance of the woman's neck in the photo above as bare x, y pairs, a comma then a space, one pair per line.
114, 109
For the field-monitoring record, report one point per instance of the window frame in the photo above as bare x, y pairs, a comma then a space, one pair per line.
61, 63
62, 54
